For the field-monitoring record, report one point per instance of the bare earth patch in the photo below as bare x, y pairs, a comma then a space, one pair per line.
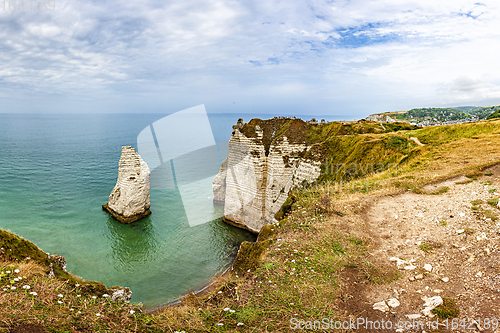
455, 239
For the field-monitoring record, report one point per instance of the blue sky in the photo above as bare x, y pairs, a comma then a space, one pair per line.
314, 57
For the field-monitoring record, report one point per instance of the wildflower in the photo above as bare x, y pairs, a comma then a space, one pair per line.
33, 293
232, 311
227, 309
12, 288
78, 295
60, 295
16, 280
28, 258
77, 285
105, 295
71, 309
98, 314
4, 289
220, 292
8, 272
16, 271
79, 312
240, 324
132, 311
60, 302
220, 324
26, 286
20, 277
94, 297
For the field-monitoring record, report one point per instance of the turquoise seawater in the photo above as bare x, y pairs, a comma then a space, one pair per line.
55, 173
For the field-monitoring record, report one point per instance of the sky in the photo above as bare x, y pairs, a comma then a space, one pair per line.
347, 57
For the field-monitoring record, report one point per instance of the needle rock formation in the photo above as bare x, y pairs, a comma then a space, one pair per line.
129, 200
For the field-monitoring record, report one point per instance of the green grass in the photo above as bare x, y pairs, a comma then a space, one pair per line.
477, 202
427, 248
443, 223
448, 309
493, 202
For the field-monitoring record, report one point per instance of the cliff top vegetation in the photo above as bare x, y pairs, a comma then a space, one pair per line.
326, 255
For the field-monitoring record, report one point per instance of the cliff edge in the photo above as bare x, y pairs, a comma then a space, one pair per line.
264, 163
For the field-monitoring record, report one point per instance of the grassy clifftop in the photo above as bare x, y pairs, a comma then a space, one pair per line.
303, 267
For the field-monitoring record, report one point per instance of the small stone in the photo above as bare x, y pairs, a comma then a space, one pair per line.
413, 316
428, 267
412, 278
479, 274
487, 251
419, 277
381, 306
393, 303
460, 231
410, 267
445, 279
481, 237
461, 214
438, 291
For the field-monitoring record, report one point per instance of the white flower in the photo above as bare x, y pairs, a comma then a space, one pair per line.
132, 311
60, 302
232, 311
26, 287
94, 297
220, 324
105, 295
71, 309
220, 292
78, 295
20, 277
12, 288
33, 293
60, 295
4, 289
16, 271
16, 279
79, 312
227, 309
98, 314
8, 272
77, 285
240, 324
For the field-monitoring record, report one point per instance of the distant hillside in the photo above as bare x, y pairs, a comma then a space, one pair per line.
444, 115
495, 114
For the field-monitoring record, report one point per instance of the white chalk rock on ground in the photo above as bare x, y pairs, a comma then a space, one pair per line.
393, 302
430, 304
381, 306
129, 200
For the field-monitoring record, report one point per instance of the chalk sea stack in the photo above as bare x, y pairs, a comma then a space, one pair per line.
129, 200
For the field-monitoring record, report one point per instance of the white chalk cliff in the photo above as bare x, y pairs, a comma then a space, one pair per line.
129, 200
255, 179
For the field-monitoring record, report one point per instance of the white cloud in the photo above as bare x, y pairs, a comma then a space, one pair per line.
341, 54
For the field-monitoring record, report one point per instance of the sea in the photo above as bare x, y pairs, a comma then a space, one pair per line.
56, 172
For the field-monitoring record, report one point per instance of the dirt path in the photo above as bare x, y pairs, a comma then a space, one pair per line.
417, 141
459, 247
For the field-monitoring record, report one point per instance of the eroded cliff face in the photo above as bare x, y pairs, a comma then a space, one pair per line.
261, 168
129, 200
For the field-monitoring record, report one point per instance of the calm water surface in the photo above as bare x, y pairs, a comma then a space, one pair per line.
55, 173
